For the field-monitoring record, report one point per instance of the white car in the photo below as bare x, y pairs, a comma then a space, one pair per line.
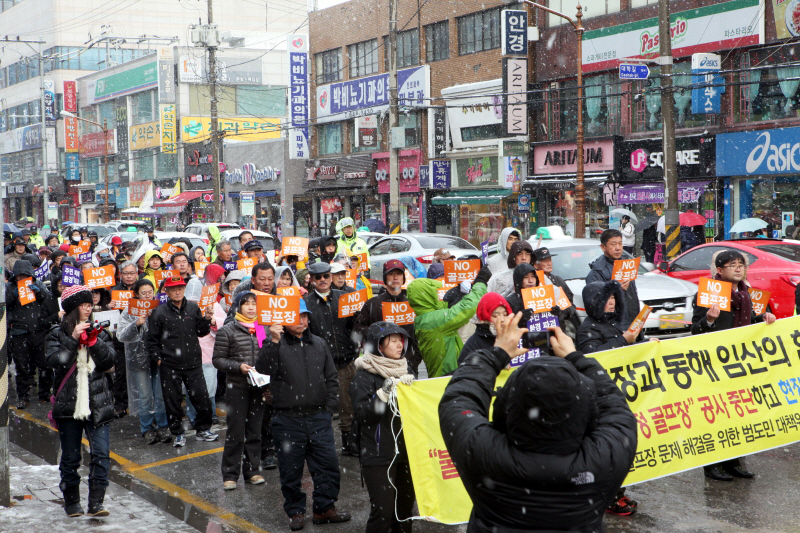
670, 299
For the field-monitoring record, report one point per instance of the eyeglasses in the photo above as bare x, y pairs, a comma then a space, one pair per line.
318, 277
738, 266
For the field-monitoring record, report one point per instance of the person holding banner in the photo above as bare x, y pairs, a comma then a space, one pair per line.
128, 276
349, 241
603, 266
729, 266
548, 461
153, 261
386, 473
602, 329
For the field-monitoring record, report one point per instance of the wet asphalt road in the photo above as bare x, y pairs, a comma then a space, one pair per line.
187, 484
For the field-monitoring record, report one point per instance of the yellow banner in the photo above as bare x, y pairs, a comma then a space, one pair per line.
195, 129
698, 400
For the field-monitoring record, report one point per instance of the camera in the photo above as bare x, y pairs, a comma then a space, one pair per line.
96, 326
536, 339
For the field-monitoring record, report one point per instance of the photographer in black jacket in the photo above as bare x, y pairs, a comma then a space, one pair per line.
555, 470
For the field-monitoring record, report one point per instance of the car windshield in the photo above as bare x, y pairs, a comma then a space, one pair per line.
784, 251
443, 241
572, 262
102, 231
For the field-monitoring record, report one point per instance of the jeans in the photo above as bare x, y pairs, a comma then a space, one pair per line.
301, 440
151, 400
70, 432
210, 375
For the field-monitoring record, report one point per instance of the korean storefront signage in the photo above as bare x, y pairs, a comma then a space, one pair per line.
137, 192
249, 174
134, 80
73, 162
166, 76
100, 193
370, 95
598, 156
195, 129
18, 189
707, 84
514, 32
198, 162
437, 126
759, 152
71, 135
299, 107
230, 70
146, 135
50, 102
515, 87
653, 193
330, 205
92, 144
720, 26
477, 172
169, 141
515, 163
367, 131
70, 96
425, 177
470, 106
644, 160
122, 131
20, 139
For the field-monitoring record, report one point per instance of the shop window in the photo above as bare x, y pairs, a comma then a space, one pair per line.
363, 58
562, 110
261, 101
142, 109
647, 114
591, 8
601, 106
437, 41
410, 121
768, 93
480, 133
479, 31
330, 138
328, 66
200, 100
167, 165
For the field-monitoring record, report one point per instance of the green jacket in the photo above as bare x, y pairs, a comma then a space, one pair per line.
436, 326
213, 231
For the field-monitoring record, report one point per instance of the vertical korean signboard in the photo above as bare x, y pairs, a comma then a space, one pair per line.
297, 45
169, 141
166, 76
50, 102
70, 96
707, 84
514, 31
515, 90
71, 142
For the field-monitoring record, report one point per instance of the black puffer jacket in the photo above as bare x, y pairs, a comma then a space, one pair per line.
34, 317
303, 378
601, 271
482, 339
600, 330
515, 300
510, 484
62, 352
336, 332
234, 346
173, 335
373, 312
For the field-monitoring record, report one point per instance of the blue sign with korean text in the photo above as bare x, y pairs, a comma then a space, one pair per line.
298, 96
537, 323
43, 272
514, 32
162, 297
441, 174
70, 275
230, 266
73, 163
524, 203
485, 251
707, 84
633, 72
759, 152
424, 177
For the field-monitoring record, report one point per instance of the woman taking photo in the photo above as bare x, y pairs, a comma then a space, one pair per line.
84, 402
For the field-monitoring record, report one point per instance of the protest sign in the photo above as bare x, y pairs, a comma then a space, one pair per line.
537, 324
208, 296
200, 269
168, 250
443, 290
400, 313
625, 269
485, 251
760, 300
714, 291
638, 322
351, 303
246, 264
292, 290
561, 298
81, 248
540, 299
100, 277
363, 263
230, 266
458, 270
143, 308
295, 246
351, 276
161, 275
43, 272
119, 299
275, 309
26, 295
70, 275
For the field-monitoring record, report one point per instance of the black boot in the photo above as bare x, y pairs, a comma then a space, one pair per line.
72, 501
96, 502
349, 446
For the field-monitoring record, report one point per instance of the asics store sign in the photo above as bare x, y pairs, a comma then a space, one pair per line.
250, 175
759, 152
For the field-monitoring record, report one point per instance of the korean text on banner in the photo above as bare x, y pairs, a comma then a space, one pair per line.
714, 291
274, 309
168, 250
541, 299
351, 277
363, 262
143, 308
625, 269
694, 402
100, 277
351, 303
295, 246
120, 299
200, 268
458, 270
538, 323
70, 275
208, 296
161, 275
445, 287
562, 300
246, 264
760, 300
638, 322
400, 313
43, 272
288, 291
26, 295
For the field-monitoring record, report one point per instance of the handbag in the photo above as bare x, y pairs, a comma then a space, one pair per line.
50, 418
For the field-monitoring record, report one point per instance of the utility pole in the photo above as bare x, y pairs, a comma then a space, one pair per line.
45, 184
212, 43
106, 216
671, 217
5, 474
394, 167
580, 186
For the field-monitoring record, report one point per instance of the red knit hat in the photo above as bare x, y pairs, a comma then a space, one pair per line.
75, 295
490, 302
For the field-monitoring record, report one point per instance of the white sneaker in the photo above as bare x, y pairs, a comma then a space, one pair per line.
180, 441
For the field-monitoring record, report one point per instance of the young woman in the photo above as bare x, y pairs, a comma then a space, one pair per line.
144, 382
284, 277
153, 261
84, 402
235, 352
101, 298
378, 371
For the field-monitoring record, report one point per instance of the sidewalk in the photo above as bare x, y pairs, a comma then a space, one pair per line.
37, 505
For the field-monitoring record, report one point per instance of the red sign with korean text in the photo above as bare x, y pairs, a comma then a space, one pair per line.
70, 97
100, 277
71, 143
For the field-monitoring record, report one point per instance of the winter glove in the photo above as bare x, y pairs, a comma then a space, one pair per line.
35, 288
557, 312
384, 392
89, 337
408, 379
465, 287
484, 274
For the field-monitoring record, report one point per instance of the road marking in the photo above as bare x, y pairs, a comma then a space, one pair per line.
175, 459
137, 471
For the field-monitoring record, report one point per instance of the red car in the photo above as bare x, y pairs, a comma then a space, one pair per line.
774, 266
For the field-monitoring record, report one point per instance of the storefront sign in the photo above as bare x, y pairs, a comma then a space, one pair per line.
71, 144
330, 205
477, 172
367, 131
20, 139
644, 160
707, 84
145, 135
787, 18
70, 97
73, 162
440, 172
122, 197
355, 175
759, 152
297, 46
250, 175
408, 163
230, 70
370, 95
169, 125
138, 191
50, 103
248, 203
473, 106
598, 156
131, 81
515, 90
18, 189
100, 193
123, 139
524, 203
424, 177
721, 26
437, 126
195, 129
166, 76
515, 164
688, 193
92, 144
514, 32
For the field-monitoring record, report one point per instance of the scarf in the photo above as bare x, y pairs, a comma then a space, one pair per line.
741, 305
382, 366
85, 366
254, 328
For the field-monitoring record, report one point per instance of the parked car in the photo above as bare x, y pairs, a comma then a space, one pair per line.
773, 265
670, 299
199, 228
101, 229
418, 245
371, 237
165, 236
123, 225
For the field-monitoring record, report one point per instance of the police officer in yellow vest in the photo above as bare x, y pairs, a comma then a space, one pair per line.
349, 241
36, 239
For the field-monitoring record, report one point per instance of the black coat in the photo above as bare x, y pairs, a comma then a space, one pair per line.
373, 312
514, 490
62, 352
482, 339
173, 335
336, 332
724, 321
601, 271
375, 422
234, 346
37, 316
601, 331
303, 378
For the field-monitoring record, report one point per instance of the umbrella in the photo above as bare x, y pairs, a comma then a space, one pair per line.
748, 224
27, 219
686, 219
67, 223
647, 222
9, 228
375, 225
621, 211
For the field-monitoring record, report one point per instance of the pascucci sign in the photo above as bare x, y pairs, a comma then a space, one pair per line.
250, 175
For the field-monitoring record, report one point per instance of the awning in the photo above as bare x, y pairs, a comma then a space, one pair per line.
182, 199
563, 182
689, 192
471, 197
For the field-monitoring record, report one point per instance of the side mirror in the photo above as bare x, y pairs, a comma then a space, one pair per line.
663, 266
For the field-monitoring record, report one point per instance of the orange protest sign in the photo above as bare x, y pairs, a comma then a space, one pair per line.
275, 309
119, 299
458, 270
714, 291
626, 269
168, 250
760, 300
26, 295
81, 248
295, 246
143, 308
561, 298
100, 277
351, 276
400, 313
445, 287
161, 275
200, 268
292, 290
638, 322
540, 275
208, 295
351, 303
540, 299
246, 264
363, 263
242, 254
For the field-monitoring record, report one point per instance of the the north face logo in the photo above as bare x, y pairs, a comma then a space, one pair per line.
583, 478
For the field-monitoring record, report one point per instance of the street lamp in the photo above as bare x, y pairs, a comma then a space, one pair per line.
580, 188
105, 152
